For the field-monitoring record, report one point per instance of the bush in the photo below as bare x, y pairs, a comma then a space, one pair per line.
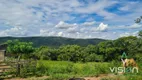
28, 69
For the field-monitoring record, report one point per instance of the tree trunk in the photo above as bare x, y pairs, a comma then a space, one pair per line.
18, 65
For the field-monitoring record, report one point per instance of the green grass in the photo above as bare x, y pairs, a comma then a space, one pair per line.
64, 69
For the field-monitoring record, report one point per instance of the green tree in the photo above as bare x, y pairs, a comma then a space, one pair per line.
70, 53
140, 33
46, 53
138, 20
42, 53
91, 49
19, 48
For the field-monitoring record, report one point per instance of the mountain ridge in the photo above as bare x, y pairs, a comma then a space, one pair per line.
53, 41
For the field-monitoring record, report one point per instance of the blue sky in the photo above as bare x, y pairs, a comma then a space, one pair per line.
107, 19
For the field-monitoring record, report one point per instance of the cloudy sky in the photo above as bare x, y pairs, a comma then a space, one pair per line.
107, 19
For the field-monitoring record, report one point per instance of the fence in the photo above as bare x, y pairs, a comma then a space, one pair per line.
15, 67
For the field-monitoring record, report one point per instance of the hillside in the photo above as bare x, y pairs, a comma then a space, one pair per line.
53, 41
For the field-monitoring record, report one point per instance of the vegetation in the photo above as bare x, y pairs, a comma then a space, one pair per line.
53, 42
68, 61
19, 48
63, 69
104, 51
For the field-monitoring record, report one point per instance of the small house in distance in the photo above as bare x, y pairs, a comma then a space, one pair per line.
2, 51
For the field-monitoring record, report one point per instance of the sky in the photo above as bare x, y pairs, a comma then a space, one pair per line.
106, 19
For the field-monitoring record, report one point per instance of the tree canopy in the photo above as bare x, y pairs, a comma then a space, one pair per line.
104, 51
17, 47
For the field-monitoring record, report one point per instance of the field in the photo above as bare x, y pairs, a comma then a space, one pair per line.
63, 70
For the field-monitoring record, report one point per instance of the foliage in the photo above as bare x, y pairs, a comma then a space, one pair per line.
28, 69
70, 69
17, 47
140, 33
104, 51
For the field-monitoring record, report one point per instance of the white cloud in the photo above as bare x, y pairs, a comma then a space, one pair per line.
124, 8
128, 6
135, 26
44, 32
125, 34
60, 34
63, 25
102, 27
130, 11
98, 8
72, 30
88, 23
15, 31
48, 18
129, 34
3, 33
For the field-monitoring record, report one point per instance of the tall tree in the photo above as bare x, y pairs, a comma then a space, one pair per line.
140, 33
19, 48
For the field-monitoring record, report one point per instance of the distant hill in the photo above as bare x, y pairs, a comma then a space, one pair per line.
53, 41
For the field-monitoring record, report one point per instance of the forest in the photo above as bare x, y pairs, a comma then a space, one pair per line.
102, 52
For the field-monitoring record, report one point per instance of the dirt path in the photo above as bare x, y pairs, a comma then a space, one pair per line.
32, 78
86, 78
100, 77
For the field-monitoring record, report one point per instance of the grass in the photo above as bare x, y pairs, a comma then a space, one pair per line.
64, 69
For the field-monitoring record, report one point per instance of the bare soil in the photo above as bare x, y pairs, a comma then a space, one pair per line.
31, 78
86, 78
100, 77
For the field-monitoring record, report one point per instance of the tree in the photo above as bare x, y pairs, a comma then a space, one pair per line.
46, 53
140, 33
42, 53
19, 48
138, 20
70, 53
